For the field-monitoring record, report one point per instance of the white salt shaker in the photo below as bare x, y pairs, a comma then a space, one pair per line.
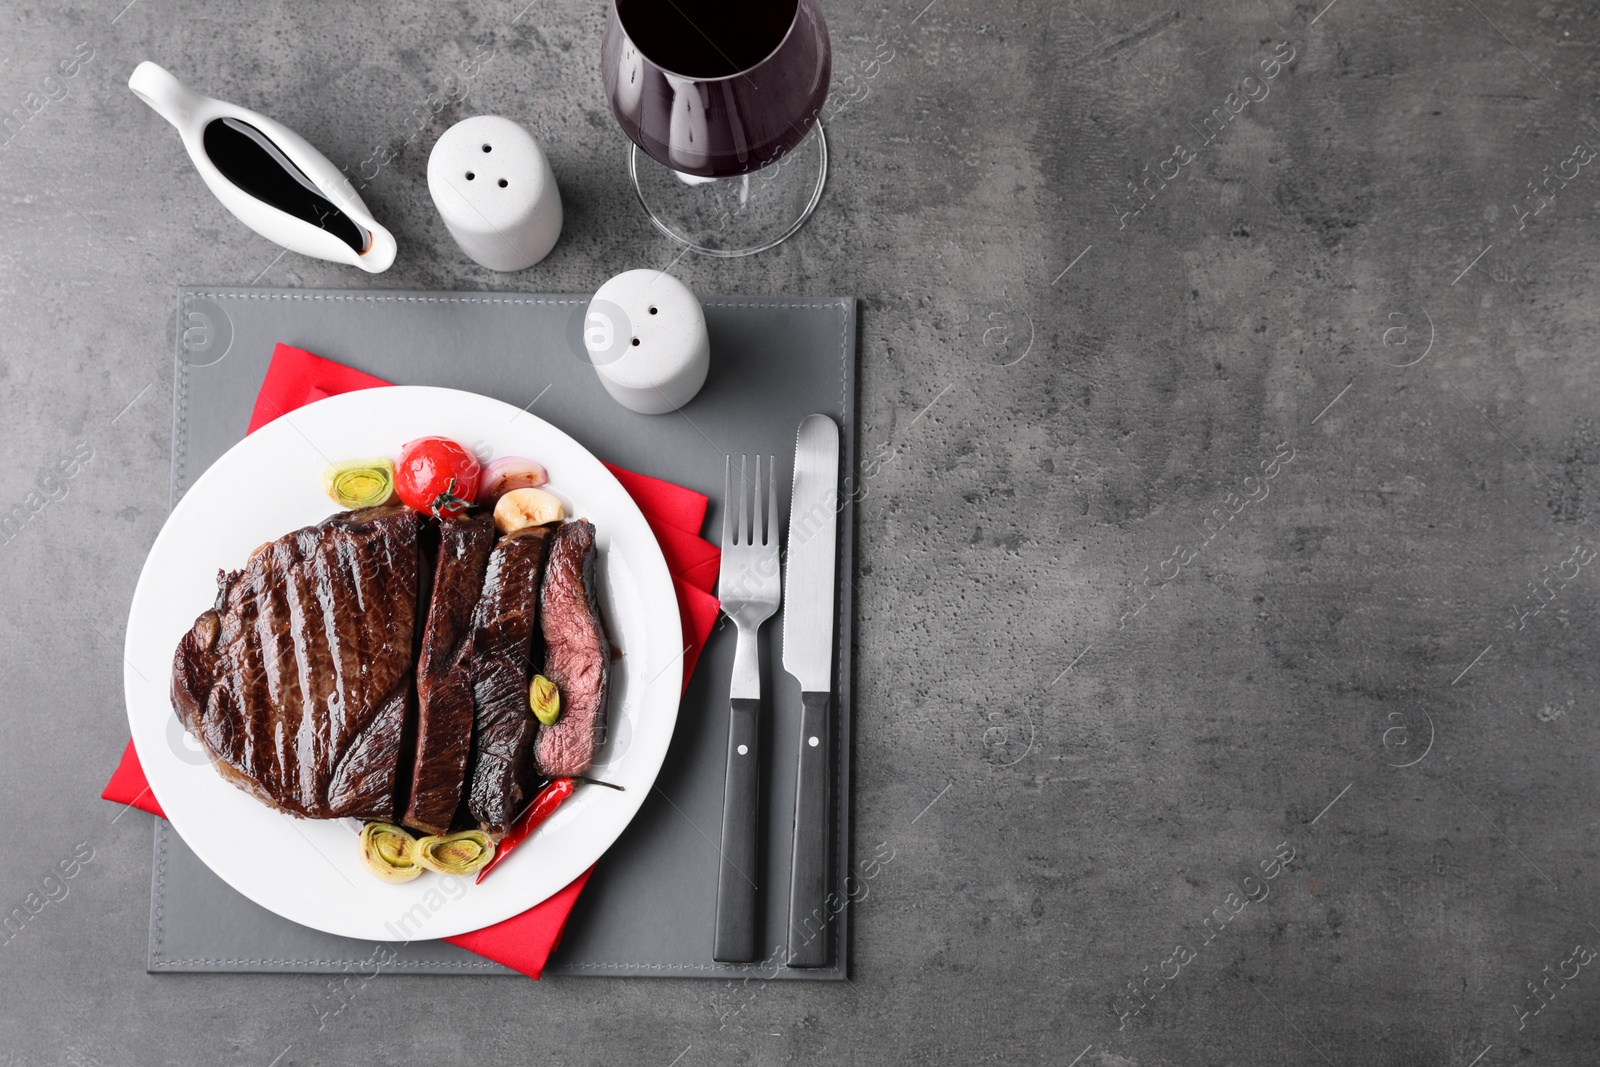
645, 333
496, 192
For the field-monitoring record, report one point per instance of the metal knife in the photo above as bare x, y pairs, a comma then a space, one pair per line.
808, 596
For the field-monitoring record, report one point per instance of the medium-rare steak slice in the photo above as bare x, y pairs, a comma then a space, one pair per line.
577, 656
298, 680
444, 679
504, 627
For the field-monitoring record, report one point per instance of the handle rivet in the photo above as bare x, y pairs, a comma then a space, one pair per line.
812, 742
744, 749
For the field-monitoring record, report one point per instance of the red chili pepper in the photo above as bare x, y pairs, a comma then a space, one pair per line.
544, 805
545, 802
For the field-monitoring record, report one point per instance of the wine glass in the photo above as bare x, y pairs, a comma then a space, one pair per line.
721, 100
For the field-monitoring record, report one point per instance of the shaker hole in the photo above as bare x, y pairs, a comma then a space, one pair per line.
652, 311
636, 342
470, 175
503, 183
487, 148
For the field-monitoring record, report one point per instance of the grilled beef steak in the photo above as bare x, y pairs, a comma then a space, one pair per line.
577, 654
297, 683
444, 680
504, 629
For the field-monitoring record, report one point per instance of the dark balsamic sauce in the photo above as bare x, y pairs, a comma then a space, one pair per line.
249, 159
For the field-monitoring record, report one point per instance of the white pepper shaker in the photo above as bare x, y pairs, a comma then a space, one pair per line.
645, 333
496, 192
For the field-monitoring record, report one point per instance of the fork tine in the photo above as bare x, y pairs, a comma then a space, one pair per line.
758, 533
727, 499
772, 500
744, 515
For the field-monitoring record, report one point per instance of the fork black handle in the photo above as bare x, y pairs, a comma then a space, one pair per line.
737, 889
810, 916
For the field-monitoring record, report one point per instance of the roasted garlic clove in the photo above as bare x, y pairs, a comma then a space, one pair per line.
526, 507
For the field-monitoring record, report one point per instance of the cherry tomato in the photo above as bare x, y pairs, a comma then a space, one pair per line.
436, 476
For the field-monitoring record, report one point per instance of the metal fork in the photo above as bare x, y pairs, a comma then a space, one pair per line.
750, 588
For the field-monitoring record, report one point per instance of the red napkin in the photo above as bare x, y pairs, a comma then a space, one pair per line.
675, 514
295, 378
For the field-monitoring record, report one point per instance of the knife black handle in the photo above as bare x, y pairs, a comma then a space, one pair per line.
810, 918
737, 897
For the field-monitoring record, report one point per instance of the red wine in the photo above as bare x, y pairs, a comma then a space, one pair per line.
713, 87
706, 38
249, 159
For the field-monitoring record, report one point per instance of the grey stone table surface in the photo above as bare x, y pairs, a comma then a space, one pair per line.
1226, 420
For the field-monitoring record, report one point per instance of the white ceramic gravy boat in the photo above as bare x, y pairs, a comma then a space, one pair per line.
269, 176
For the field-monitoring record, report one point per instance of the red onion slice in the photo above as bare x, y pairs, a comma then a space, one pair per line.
508, 473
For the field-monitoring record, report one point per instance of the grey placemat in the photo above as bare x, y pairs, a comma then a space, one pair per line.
649, 908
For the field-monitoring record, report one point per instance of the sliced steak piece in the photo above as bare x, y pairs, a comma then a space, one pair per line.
577, 655
298, 681
504, 629
444, 679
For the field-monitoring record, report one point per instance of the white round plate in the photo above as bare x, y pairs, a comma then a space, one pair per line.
271, 483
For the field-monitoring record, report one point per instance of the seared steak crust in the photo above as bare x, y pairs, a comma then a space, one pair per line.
298, 681
504, 629
577, 654
444, 680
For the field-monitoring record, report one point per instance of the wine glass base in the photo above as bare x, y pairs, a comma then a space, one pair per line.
729, 217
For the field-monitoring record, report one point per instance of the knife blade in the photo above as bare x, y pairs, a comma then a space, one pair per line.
808, 628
